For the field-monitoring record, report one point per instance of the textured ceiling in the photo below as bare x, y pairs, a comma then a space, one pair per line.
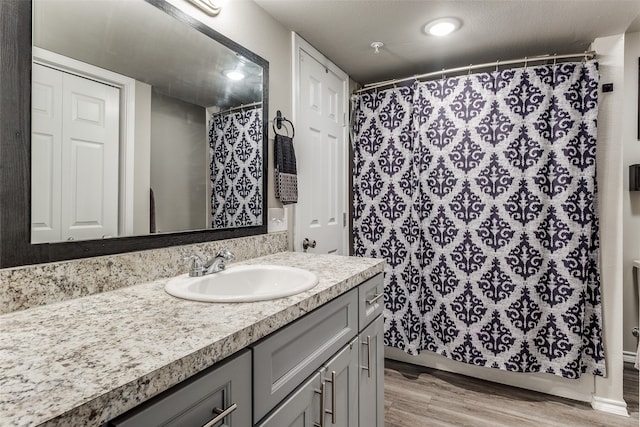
492, 30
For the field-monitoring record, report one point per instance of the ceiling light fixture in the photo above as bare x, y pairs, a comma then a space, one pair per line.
377, 46
442, 27
234, 75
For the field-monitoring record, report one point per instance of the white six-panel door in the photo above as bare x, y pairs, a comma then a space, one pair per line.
46, 154
74, 157
321, 151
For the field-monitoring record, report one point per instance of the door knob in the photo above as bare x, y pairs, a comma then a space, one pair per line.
306, 244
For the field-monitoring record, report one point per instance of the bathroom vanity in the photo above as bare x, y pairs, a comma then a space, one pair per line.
138, 356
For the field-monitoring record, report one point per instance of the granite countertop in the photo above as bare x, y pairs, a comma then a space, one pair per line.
84, 361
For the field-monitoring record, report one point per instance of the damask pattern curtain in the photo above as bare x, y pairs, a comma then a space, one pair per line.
235, 145
479, 191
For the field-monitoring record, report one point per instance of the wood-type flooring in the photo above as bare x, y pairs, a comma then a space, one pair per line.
416, 396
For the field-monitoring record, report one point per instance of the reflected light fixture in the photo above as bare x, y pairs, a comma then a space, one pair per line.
442, 26
234, 75
207, 6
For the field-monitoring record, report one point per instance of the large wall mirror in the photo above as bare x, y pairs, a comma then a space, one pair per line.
145, 128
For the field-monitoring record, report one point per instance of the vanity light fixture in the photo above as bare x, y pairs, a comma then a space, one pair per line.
207, 6
442, 26
234, 75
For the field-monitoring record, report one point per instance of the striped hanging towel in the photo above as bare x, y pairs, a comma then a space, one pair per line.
286, 179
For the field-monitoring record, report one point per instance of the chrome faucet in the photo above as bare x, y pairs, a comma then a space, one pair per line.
212, 265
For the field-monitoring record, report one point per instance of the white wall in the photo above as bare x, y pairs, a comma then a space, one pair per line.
246, 23
610, 50
631, 200
178, 161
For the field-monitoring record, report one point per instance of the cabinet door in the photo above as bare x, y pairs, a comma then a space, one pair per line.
301, 409
372, 375
199, 400
341, 388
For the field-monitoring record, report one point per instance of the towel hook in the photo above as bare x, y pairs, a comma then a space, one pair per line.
277, 124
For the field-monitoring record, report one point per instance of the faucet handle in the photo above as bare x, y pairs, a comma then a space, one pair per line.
196, 268
226, 254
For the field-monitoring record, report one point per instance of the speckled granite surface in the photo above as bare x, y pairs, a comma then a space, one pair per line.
83, 361
30, 286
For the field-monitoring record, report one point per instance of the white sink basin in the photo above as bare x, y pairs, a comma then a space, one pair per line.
243, 283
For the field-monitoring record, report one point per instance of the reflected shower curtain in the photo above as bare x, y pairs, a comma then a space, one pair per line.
480, 193
235, 146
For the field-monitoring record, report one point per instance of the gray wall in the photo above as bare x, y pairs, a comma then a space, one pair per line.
141, 157
178, 163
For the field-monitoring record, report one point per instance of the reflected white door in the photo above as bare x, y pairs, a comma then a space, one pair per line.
321, 151
46, 153
74, 177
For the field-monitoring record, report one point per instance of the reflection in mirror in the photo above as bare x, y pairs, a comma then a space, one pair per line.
140, 124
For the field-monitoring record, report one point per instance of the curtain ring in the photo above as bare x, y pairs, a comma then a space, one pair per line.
585, 56
555, 59
497, 63
525, 62
469, 71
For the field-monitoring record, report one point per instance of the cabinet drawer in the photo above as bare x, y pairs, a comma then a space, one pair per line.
285, 359
370, 300
195, 401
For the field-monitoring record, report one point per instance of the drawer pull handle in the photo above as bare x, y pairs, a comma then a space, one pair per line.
221, 415
368, 367
376, 298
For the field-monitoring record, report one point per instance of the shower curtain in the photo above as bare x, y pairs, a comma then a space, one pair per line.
480, 193
235, 145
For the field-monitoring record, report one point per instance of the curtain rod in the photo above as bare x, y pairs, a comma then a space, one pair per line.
240, 107
586, 55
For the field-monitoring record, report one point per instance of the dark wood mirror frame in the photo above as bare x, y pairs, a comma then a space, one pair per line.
15, 152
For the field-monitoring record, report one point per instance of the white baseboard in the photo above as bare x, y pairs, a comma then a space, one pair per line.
629, 356
617, 407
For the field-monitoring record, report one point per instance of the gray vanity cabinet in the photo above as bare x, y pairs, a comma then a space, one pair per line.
332, 390
340, 344
219, 396
371, 378
283, 360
